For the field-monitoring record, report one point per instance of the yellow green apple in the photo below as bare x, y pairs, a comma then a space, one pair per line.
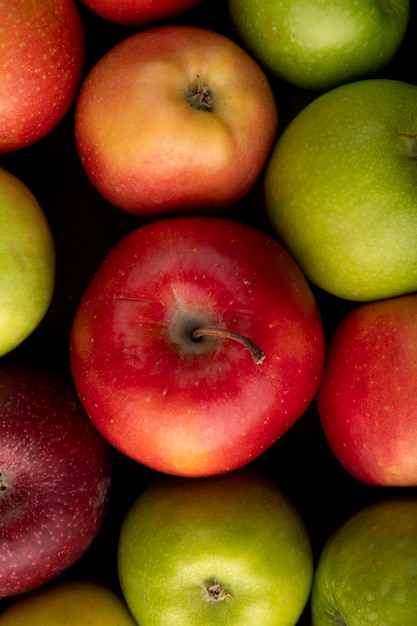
367, 572
341, 189
27, 262
228, 549
70, 602
318, 45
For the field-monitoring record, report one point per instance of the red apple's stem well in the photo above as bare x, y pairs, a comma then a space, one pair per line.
257, 354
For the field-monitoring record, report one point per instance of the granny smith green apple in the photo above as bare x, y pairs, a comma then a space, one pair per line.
341, 189
367, 571
229, 549
27, 262
69, 603
318, 45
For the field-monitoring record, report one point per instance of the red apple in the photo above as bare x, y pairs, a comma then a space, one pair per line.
138, 12
152, 359
367, 397
42, 58
175, 118
54, 478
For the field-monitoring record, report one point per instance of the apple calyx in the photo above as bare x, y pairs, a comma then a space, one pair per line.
199, 98
214, 591
257, 354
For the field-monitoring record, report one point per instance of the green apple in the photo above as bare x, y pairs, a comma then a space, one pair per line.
367, 571
68, 603
341, 189
228, 549
318, 45
27, 262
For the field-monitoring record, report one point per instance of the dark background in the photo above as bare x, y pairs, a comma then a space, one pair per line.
86, 227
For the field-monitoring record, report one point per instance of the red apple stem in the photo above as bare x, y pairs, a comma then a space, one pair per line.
257, 354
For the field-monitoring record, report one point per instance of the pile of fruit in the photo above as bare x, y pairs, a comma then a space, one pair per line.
208, 313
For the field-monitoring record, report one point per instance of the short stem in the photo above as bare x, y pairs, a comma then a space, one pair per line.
257, 354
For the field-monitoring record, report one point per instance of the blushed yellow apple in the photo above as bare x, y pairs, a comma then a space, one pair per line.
27, 262
69, 603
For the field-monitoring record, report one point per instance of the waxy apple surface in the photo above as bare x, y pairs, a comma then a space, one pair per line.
367, 571
228, 549
139, 12
196, 405
341, 190
42, 45
366, 398
318, 45
55, 472
27, 262
69, 603
174, 118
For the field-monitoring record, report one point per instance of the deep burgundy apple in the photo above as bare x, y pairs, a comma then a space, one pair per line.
367, 397
55, 475
42, 47
139, 12
155, 360
173, 118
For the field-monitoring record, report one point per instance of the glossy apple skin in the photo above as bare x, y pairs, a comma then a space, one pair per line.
345, 204
238, 530
139, 12
55, 478
181, 406
75, 602
27, 262
142, 144
366, 398
42, 46
366, 573
319, 45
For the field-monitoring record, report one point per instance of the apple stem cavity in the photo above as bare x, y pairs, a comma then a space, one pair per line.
199, 98
257, 354
214, 591
4, 485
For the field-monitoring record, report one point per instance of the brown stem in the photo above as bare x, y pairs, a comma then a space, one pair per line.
257, 354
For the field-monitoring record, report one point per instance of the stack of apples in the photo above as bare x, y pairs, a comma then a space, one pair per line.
208, 315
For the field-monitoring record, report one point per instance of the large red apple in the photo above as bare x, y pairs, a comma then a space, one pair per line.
156, 350
138, 12
175, 118
42, 58
55, 474
367, 397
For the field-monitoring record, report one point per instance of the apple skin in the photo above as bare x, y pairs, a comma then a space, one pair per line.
366, 398
344, 201
319, 45
139, 12
27, 262
238, 532
190, 407
367, 573
76, 602
42, 60
55, 478
152, 151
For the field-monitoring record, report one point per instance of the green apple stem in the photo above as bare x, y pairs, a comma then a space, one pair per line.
199, 97
214, 591
257, 354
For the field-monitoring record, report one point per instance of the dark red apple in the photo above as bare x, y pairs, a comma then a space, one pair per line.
156, 345
42, 45
367, 397
55, 476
